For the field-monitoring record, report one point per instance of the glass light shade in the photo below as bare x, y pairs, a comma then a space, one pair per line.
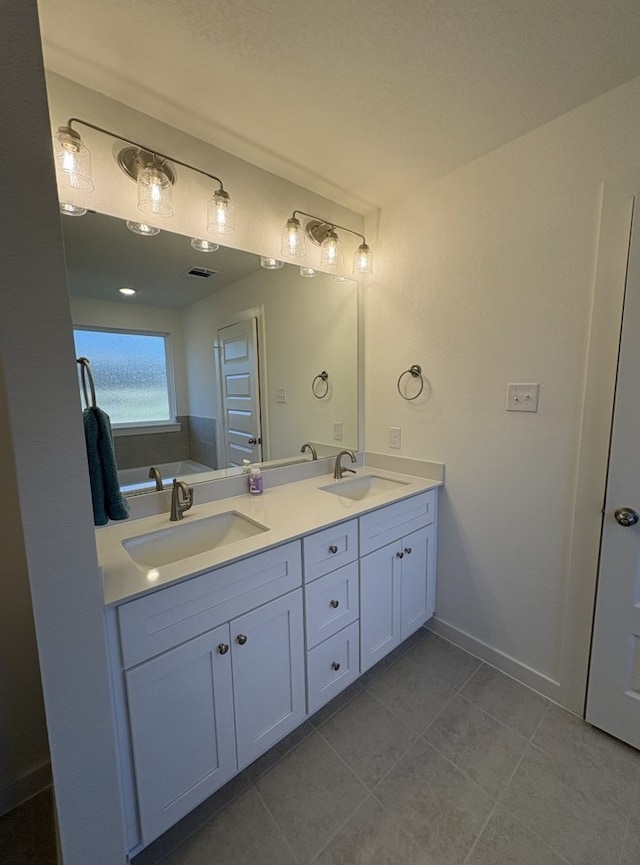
155, 193
221, 214
331, 254
362, 260
73, 160
202, 245
308, 272
293, 245
270, 263
142, 228
72, 209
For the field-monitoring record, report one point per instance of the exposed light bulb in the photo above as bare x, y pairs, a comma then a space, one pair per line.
142, 228
73, 160
202, 245
72, 209
155, 192
270, 263
362, 260
221, 213
331, 254
293, 245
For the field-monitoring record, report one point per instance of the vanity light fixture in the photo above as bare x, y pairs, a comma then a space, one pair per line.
202, 245
152, 171
142, 228
270, 263
128, 292
308, 272
323, 234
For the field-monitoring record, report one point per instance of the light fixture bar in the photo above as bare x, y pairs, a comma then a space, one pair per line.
327, 222
322, 233
143, 147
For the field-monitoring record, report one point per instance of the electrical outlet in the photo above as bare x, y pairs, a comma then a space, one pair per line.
522, 397
337, 431
395, 437
281, 394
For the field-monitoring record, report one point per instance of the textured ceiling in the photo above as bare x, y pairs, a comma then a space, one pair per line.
356, 100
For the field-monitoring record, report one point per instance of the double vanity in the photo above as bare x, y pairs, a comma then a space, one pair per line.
230, 627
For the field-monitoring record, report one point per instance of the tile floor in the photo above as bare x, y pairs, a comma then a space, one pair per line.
432, 758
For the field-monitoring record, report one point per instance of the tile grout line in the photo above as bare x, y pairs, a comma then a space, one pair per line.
497, 800
627, 831
275, 822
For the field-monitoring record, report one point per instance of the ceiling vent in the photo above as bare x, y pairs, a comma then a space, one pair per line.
201, 272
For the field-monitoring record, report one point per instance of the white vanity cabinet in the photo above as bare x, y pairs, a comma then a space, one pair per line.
214, 676
397, 574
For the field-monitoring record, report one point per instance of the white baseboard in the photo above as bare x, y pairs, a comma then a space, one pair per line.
24, 787
505, 663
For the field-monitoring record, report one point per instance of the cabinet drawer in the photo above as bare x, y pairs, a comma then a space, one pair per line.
329, 549
331, 602
389, 523
332, 666
159, 621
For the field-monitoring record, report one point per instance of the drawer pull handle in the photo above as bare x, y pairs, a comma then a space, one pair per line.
241, 639
333, 548
335, 666
335, 604
223, 648
400, 555
407, 550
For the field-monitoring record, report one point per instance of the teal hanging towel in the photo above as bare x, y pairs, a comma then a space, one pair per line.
108, 502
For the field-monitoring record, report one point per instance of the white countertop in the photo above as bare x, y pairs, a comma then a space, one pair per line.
288, 511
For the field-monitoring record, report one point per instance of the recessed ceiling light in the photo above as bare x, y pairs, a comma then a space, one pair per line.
127, 291
308, 272
142, 228
204, 245
340, 279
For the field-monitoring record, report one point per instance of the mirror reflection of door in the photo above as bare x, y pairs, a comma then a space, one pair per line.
240, 390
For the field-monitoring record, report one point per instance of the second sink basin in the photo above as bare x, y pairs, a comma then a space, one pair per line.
190, 537
363, 487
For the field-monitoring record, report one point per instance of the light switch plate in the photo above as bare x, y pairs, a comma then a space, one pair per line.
523, 396
281, 394
395, 437
337, 431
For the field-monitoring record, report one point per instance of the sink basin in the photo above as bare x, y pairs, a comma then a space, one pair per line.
190, 537
363, 487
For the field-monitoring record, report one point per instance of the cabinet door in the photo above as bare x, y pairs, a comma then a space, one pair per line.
380, 604
418, 559
182, 734
267, 648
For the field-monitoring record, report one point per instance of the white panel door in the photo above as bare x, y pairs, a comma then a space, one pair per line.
613, 699
418, 574
240, 386
182, 733
268, 674
380, 604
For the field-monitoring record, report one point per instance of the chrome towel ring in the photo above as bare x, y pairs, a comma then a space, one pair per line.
321, 377
415, 371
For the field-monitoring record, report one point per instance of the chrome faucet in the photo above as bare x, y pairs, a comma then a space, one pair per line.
339, 469
308, 446
181, 499
154, 472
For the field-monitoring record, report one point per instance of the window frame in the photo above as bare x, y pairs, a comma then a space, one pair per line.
140, 427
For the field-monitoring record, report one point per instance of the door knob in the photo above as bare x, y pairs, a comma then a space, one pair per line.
241, 639
254, 441
626, 517
223, 648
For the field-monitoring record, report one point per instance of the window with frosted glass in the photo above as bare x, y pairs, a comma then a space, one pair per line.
130, 372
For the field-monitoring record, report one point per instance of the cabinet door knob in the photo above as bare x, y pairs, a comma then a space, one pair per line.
407, 550
223, 648
400, 555
333, 548
241, 639
335, 666
335, 604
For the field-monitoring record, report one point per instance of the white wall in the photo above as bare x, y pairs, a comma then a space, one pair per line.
309, 325
103, 313
52, 499
486, 277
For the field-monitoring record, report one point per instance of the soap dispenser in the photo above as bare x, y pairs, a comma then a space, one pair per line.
255, 480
